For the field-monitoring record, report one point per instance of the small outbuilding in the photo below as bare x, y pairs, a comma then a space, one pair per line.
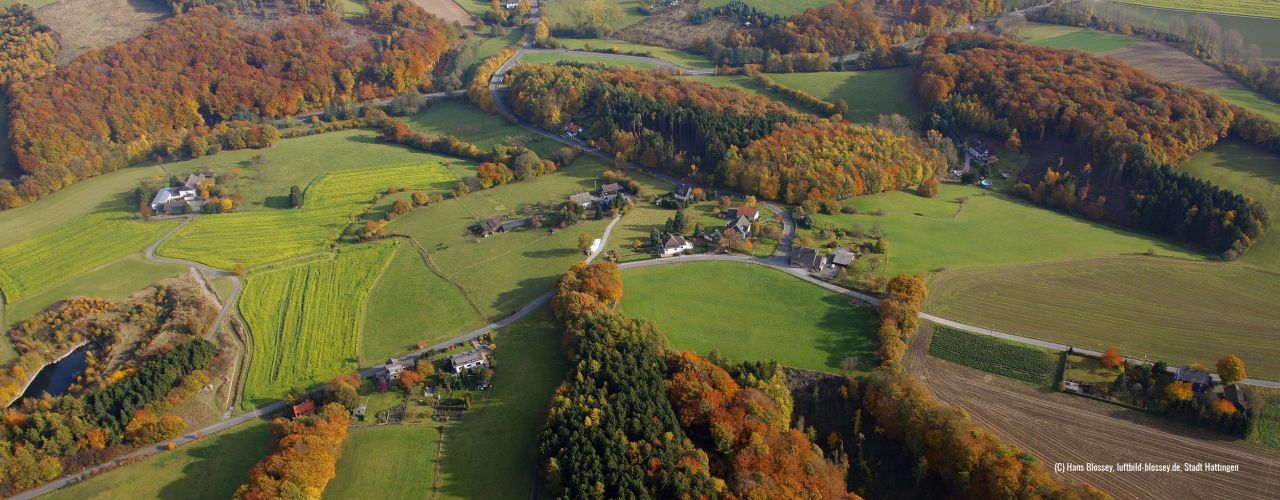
583, 200
1200, 380
843, 257
303, 409
611, 189
807, 258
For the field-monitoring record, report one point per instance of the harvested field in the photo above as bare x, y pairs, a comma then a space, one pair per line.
449, 10
670, 28
1172, 65
1059, 428
92, 24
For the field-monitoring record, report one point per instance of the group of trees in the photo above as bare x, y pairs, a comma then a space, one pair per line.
40, 439
829, 160
155, 94
304, 458
298, 6
635, 420
1129, 127
28, 48
656, 119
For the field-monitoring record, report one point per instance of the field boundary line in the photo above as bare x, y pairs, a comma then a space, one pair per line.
364, 301
431, 266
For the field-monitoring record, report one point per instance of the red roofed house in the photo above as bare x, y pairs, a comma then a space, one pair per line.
307, 407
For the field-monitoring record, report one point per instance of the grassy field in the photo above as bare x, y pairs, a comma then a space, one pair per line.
107, 192
1250, 100
1251, 8
1260, 31
1029, 364
35, 4
780, 7
411, 304
752, 313
490, 452
305, 320
680, 57
56, 256
552, 58
869, 94
395, 461
352, 8
503, 272
466, 122
211, 468
115, 280
932, 234
1149, 308
1072, 37
331, 204
561, 12
1253, 172
1089, 370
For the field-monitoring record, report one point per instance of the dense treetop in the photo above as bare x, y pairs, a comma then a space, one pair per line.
26, 46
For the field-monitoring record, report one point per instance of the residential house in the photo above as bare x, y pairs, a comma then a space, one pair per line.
978, 152
392, 369
741, 225
675, 244
193, 181
583, 200
176, 201
513, 225
683, 193
1200, 380
467, 361
611, 189
511, 5
749, 212
843, 257
807, 258
572, 129
302, 409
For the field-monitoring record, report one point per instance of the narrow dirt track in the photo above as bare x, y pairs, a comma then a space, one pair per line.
1058, 428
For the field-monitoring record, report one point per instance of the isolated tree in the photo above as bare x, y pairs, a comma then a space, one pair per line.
1231, 369
295, 197
401, 207
584, 242
408, 379
1014, 142
929, 188
419, 198
1111, 358
540, 32
750, 201
1178, 391
144, 209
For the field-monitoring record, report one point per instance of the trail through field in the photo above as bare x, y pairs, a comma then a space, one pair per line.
1059, 428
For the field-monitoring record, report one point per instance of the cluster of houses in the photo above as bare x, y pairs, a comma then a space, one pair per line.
180, 199
813, 260
610, 195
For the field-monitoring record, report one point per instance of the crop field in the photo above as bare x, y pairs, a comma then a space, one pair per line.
1253, 172
211, 468
305, 320
1260, 31
752, 313
446, 10
680, 57
331, 204
933, 234
412, 304
93, 240
1251, 8
1148, 307
989, 354
503, 272
466, 122
1266, 430
396, 461
1061, 428
780, 7
554, 57
869, 94
489, 453
1076, 38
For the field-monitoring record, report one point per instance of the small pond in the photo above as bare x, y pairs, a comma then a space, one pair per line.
57, 377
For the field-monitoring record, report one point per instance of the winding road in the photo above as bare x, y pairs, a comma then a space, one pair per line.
205, 271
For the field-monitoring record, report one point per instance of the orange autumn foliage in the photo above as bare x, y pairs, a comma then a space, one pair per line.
749, 431
304, 458
1111, 358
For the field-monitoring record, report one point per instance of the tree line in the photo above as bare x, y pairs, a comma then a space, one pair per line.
634, 420
304, 458
1129, 129
154, 95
